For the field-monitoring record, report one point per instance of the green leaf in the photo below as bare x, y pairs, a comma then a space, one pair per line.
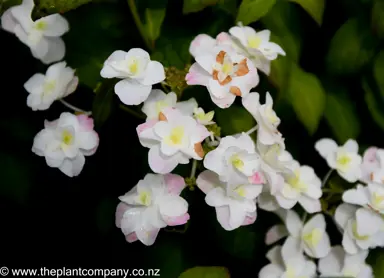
234, 119
192, 6
153, 20
375, 259
378, 71
252, 10
314, 7
377, 18
351, 48
230, 6
103, 104
96, 31
307, 97
61, 6
206, 272
341, 116
373, 105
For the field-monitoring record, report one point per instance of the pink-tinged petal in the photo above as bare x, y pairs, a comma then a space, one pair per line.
120, 210
161, 164
176, 221
132, 237
223, 37
197, 76
175, 183
250, 219
370, 154
202, 133
207, 180
201, 44
86, 123
275, 233
257, 178
146, 125
223, 102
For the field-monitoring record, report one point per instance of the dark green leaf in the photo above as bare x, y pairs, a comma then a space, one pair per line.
192, 6
351, 48
153, 20
375, 259
230, 6
234, 119
61, 6
206, 272
378, 71
307, 97
96, 31
314, 7
103, 104
373, 105
252, 10
341, 116
377, 18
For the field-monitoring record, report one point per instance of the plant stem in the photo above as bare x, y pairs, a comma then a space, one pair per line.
139, 24
193, 171
74, 108
132, 112
253, 129
327, 176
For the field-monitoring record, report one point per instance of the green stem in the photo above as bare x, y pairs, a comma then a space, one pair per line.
333, 190
132, 112
327, 176
193, 171
139, 24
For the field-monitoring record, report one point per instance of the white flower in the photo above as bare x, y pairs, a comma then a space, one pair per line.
58, 82
235, 159
265, 117
152, 204
339, 264
235, 203
350, 219
311, 238
287, 267
202, 117
300, 185
173, 140
261, 50
42, 36
372, 167
158, 100
225, 73
65, 141
138, 72
344, 159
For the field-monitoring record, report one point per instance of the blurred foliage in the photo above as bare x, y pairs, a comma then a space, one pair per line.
329, 84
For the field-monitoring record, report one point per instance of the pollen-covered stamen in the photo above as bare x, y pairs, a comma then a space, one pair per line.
242, 68
199, 149
224, 68
162, 117
235, 90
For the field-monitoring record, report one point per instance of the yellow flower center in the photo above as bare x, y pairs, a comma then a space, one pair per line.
313, 238
343, 159
176, 136
254, 42
145, 198
160, 105
49, 86
377, 200
237, 162
227, 68
41, 25
295, 182
67, 137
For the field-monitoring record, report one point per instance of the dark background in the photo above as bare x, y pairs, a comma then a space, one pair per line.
51, 220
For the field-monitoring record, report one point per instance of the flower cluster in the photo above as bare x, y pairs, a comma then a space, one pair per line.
242, 172
65, 141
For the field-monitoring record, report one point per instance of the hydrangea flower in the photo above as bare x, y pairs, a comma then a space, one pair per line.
235, 159
203, 44
66, 141
340, 264
372, 167
138, 72
202, 117
301, 185
345, 159
235, 203
265, 117
58, 82
154, 203
311, 237
42, 36
261, 50
349, 218
158, 100
282, 266
173, 140
225, 73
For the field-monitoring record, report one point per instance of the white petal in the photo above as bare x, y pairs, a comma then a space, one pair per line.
8, 22
237, 215
267, 202
161, 164
238, 32
206, 61
148, 238
275, 233
154, 74
224, 102
197, 76
333, 262
292, 221
349, 244
131, 92
35, 83
309, 204
147, 136
317, 221
40, 50
291, 248
356, 196
73, 167
54, 156
56, 51
271, 271
216, 197
207, 180
187, 107
87, 140
222, 214
285, 203
173, 206
41, 140
23, 15
325, 146
368, 222
109, 72
57, 25
343, 213
322, 248
214, 161
351, 146
274, 256
201, 44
